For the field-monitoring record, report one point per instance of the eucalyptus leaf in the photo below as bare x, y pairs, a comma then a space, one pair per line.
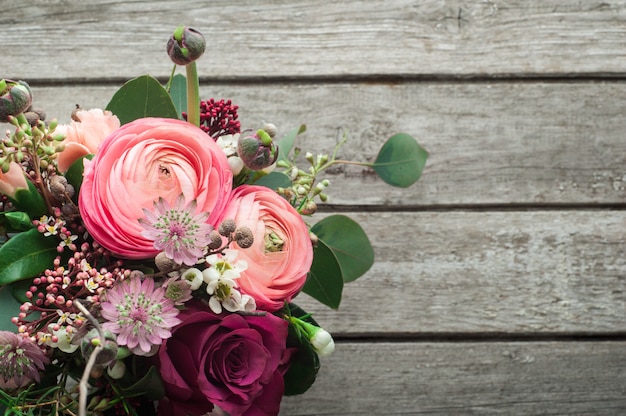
325, 279
178, 92
26, 255
142, 97
400, 161
349, 244
285, 144
274, 180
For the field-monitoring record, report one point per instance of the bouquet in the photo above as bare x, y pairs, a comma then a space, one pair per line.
151, 252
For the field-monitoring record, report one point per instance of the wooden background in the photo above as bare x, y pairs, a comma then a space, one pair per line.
500, 276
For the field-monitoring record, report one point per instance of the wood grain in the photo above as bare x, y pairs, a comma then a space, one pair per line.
489, 143
115, 39
548, 378
527, 272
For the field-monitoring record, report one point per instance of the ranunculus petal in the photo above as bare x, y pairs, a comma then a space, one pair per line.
139, 163
272, 277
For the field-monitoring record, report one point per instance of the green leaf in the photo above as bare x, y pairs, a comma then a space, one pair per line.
30, 201
74, 174
349, 244
141, 97
26, 255
150, 386
274, 180
325, 279
304, 364
178, 92
19, 221
10, 308
400, 161
285, 144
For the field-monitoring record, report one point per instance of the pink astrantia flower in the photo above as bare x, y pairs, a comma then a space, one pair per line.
20, 361
177, 231
140, 315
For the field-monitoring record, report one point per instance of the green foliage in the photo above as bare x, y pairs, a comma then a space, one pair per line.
274, 180
285, 144
25, 255
10, 308
74, 174
178, 92
325, 280
17, 220
349, 244
142, 97
29, 201
400, 161
305, 363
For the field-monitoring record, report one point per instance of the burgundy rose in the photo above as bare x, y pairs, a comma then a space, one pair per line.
229, 360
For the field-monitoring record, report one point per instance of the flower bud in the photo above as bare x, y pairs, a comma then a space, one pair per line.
257, 151
15, 98
185, 45
227, 227
323, 342
108, 352
244, 237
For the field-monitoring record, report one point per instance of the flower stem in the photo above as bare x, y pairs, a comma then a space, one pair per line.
193, 94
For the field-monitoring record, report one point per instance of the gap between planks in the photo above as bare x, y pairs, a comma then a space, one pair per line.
459, 338
359, 78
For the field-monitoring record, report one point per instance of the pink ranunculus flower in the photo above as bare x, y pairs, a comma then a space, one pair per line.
282, 253
148, 159
233, 361
85, 136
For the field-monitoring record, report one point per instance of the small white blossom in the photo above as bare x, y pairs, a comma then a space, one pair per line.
323, 342
194, 277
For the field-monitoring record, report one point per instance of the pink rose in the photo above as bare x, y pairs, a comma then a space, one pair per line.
229, 360
282, 253
139, 163
84, 136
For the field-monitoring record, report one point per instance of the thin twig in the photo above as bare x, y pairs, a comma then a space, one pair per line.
84, 380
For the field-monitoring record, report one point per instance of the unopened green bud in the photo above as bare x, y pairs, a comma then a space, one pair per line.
257, 151
15, 98
185, 45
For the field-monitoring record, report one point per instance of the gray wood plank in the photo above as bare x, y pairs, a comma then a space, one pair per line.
547, 378
59, 40
527, 272
489, 143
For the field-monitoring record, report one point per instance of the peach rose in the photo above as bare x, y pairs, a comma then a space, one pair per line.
84, 136
282, 253
148, 159
13, 180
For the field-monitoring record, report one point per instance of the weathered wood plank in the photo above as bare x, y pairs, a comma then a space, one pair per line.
491, 143
551, 378
486, 272
316, 38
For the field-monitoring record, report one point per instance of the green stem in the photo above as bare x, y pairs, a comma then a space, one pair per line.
168, 86
193, 94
